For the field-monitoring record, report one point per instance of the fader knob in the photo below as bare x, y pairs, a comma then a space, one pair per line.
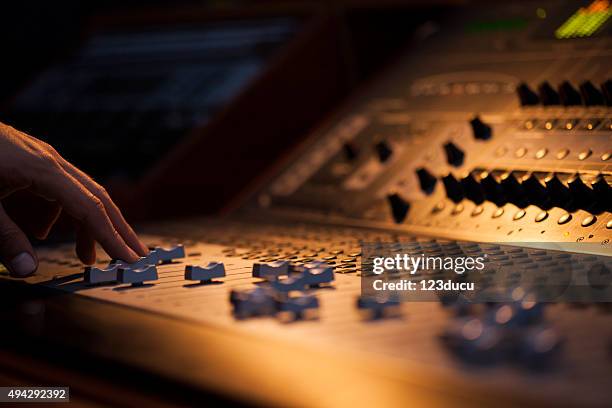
526, 96
558, 191
480, 130
582, 194
383, 150
606, 89
569, 95
493, 189
590, 94
454, 190
473, 190
426, 180
137, 277
454, 155
399, 207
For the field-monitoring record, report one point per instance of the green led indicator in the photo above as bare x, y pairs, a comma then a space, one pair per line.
586, 21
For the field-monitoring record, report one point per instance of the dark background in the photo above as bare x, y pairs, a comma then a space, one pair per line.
354, 42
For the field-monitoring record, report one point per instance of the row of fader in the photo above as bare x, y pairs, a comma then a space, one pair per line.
137, 273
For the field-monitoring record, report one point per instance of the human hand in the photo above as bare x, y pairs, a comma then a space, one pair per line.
31, 166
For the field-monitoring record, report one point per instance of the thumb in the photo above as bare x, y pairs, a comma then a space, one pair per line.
16, 252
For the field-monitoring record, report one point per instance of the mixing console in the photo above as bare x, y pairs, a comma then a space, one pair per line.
494, 135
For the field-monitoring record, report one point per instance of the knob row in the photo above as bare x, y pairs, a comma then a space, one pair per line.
566, 94
568, 191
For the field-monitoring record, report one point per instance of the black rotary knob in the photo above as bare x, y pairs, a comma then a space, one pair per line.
527, 97
582, 195
548, 95
603, 192
569, 95
472, 188
350, 151
454, 190
492, 188
606, 90
558, 191
383, 150
480, 130
536, 190
399, 207
513, 188
454, 155
590, 94
427, 180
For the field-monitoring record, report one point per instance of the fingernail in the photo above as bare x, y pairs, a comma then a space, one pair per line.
23, 265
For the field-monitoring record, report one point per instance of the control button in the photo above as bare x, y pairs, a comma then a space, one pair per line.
255, 302
439, 207
500, 151
527, 97
588, 221
94, 276
606, 89
518, 215
564, 219
549, 124
457, 209
316, 273
167, 255
454, 190
498, 213
378, 307
548, 96
581, 193
609, 225
529, 124
383, 150
350, 151
591, 124
454, 155
272, 270
477, 210
137, 277
541, 216
427, 180
535, 190
399, 207
541, 153
569, 95
494, 192
562, 154
205, 274
570, 124
289, 284
585, 154
298, 306
606, 156
473, 190
481, 130
520, 152
590, 94
558, 191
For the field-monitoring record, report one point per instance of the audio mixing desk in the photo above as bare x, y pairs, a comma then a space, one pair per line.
494, 135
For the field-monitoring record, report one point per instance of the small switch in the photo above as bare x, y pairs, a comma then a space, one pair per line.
569, 95
527, 97
548, 96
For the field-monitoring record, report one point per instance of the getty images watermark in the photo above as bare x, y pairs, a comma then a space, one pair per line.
430, 270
